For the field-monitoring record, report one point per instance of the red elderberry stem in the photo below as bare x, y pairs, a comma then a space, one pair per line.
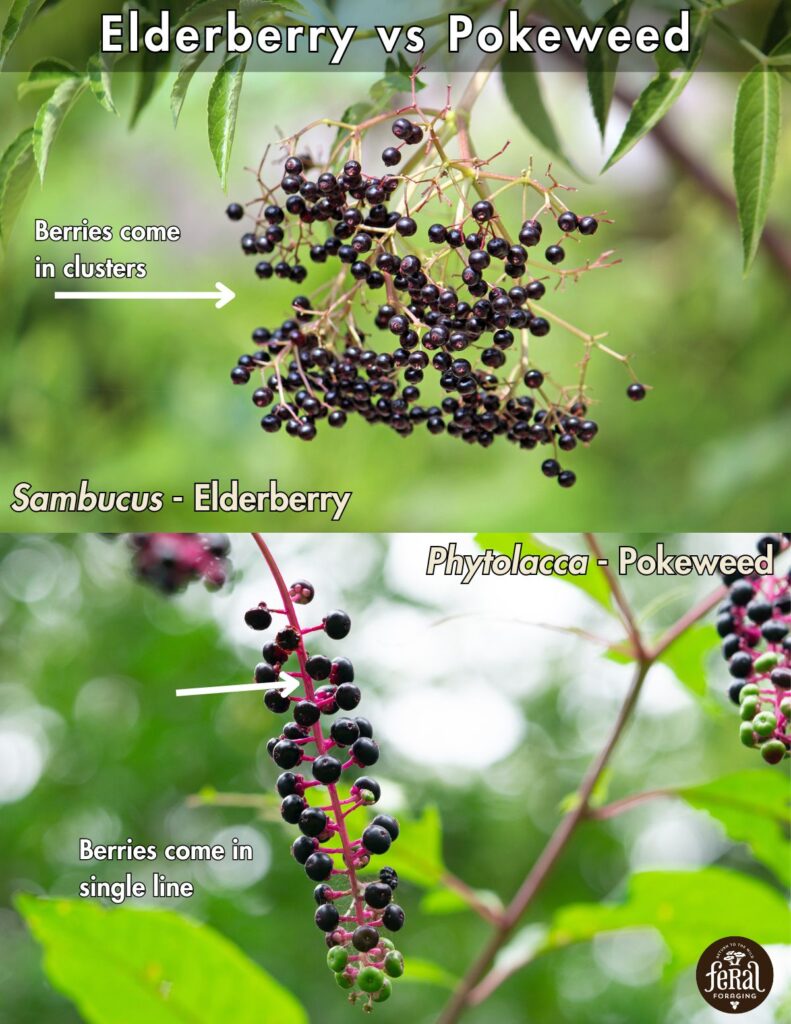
349, 853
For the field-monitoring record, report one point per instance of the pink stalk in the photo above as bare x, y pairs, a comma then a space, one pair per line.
347, 849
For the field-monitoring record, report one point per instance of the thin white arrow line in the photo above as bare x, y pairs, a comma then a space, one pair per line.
222, 296
197, 691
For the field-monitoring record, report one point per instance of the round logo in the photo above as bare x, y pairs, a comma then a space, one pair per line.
734, 974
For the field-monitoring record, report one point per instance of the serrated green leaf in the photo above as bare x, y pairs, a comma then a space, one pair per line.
157, 965
601, 65
523, 89
593, 583
46, 74
17, 170
51, 116
417, 856
189, 65
426, 972
99, 81
755, 133
648, 110
753, 808
223, 108
690, 909
19, 16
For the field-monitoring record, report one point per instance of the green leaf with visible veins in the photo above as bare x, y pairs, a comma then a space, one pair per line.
648, 110
51, 116
122, 964
189, 65
593, 583
20, 14
223, 108
753, 808
755, 133
17, 170
690, 909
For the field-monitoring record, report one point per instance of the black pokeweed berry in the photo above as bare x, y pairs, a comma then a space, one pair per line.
258, 618
327, 917
337, 625
377, 839
378, 895
393, 918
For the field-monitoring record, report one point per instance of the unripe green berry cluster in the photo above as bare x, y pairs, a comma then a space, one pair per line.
755, 626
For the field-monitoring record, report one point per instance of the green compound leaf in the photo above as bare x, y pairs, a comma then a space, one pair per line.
649, 108
523, 89
223, 108
99, 80
602, 64
753, 808
755, 133
690, 909
17, 170
21, 13
51, 116
46, 75
123, 965
593, 583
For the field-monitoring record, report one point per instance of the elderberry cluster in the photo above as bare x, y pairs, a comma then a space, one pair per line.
459, 296
171, 561
352, 912
754, 625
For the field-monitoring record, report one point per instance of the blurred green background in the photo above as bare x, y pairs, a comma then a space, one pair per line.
94, 743
137, 396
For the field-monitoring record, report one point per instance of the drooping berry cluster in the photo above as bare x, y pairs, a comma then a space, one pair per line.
170, 561
754, 625
353, 913
460, 295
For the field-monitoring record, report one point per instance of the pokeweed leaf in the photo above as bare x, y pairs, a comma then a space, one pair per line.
19, 16
755, 133
593, 583
17, 170
223, 109
51, 116
99, 81
690, 909
753, 808
417, 856
601, 65
46, 75
159, 966
523, 89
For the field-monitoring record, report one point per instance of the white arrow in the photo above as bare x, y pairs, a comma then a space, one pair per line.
285, 687
222, 296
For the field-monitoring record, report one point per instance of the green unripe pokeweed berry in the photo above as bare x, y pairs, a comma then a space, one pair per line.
749, 690
773, 751
394, 964
764, 723
384, 992
344, 981
766, 662
337, 959
746, 734
750, 708
370, 979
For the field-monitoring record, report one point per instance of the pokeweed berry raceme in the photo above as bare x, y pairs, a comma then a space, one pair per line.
170, 561
461, 292
754, 625
353, 913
